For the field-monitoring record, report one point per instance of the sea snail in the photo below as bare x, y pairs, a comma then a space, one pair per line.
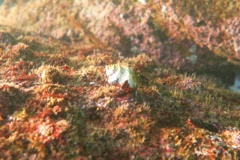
123, 76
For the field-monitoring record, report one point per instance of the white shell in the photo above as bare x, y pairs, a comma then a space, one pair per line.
118, 74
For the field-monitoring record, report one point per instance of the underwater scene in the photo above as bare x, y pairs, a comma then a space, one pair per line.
120, 80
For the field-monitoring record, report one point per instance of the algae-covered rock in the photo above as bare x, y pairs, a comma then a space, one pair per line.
164, 30
52, 75
55, 97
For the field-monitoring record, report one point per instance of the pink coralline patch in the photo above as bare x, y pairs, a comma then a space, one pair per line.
57, 109
189, 84
47, 130
223, 34
45, 113
123, 26
232, 138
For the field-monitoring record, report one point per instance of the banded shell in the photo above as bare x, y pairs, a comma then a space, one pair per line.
118, 74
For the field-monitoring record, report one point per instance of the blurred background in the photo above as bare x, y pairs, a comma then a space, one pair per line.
194, 36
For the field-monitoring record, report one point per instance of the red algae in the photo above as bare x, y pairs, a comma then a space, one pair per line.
56, 102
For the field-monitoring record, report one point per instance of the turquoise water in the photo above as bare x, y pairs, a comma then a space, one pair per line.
236, 86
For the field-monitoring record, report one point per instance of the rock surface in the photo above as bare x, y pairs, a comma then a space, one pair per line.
55, 102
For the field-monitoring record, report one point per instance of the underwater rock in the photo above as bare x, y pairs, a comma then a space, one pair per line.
51, 75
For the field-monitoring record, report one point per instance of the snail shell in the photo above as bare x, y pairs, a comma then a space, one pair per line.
118, 74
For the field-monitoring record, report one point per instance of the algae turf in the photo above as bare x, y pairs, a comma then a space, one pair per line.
61, 106
56, 102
